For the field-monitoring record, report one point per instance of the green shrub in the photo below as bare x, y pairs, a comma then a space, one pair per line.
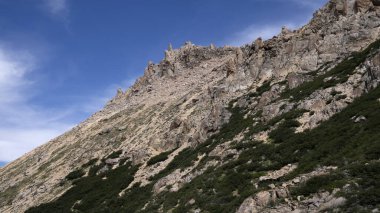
260, 90
284, 131
353, 147
159, 158
75, 174
90, 163
340, 97
319, 183
122, 161
334, 93
114, 155
339, 74
95, 193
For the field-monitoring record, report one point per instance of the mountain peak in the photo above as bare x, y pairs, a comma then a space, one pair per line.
272, 126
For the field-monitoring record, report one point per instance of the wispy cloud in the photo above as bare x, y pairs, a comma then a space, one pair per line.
313, 4
270, 29
58, 10
56, 7
22, 125
25, 125
95, 103
16, 142
13, 69
253, 32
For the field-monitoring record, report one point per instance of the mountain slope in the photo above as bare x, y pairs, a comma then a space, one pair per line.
277, 123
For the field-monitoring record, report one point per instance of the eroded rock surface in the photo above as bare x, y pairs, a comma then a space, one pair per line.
182, 101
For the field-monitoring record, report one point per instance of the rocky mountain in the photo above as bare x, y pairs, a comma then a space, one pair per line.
289, 124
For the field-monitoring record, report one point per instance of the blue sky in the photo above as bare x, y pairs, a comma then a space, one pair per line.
61, 60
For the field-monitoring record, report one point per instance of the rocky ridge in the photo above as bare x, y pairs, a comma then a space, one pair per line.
179, 103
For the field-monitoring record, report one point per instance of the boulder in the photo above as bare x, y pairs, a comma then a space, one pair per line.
334, 203
360, 119
248, 206
112, 161
258, 43
175, 124
282, 192
341, 7
363, 5
263, 198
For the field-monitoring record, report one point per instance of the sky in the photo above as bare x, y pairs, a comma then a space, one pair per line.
62, 60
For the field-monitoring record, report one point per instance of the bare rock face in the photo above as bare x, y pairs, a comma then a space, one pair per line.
182, 101
320, 202
363, 5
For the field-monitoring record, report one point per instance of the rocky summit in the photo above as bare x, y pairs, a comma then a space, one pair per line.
289, 124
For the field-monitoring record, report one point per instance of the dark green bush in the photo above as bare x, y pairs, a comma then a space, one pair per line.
319, 183
353, 147
284, 131
115, 154
334, 93
339, 74
75, 174
95, 193
90, 163
159, 158
260, 90
340, 97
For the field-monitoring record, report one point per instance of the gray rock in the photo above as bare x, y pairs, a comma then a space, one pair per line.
263, 198
113, 161
334, 203
360, 119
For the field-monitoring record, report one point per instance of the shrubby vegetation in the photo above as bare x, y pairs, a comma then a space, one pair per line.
114, 154
90, 163
353, 147
163, 156
75, 174
320, 183
260, 90
338, 74
96, 193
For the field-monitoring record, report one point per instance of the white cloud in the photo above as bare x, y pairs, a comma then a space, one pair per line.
22, 125
56, 7
13, 68
59, 10
313, 4
267, 31
95, 103
16, 142
253, 32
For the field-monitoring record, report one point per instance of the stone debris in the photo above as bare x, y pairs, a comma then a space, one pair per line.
182, 100
260, 201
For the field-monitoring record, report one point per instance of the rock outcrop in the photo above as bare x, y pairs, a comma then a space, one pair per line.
184, 102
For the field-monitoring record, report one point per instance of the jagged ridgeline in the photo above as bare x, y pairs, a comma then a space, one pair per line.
287, 124
350, 147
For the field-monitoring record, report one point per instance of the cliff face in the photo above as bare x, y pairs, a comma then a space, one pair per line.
224, 129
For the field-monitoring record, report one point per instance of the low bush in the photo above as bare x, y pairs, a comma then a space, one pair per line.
114, 154
319, 183
159, 158
75, 174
